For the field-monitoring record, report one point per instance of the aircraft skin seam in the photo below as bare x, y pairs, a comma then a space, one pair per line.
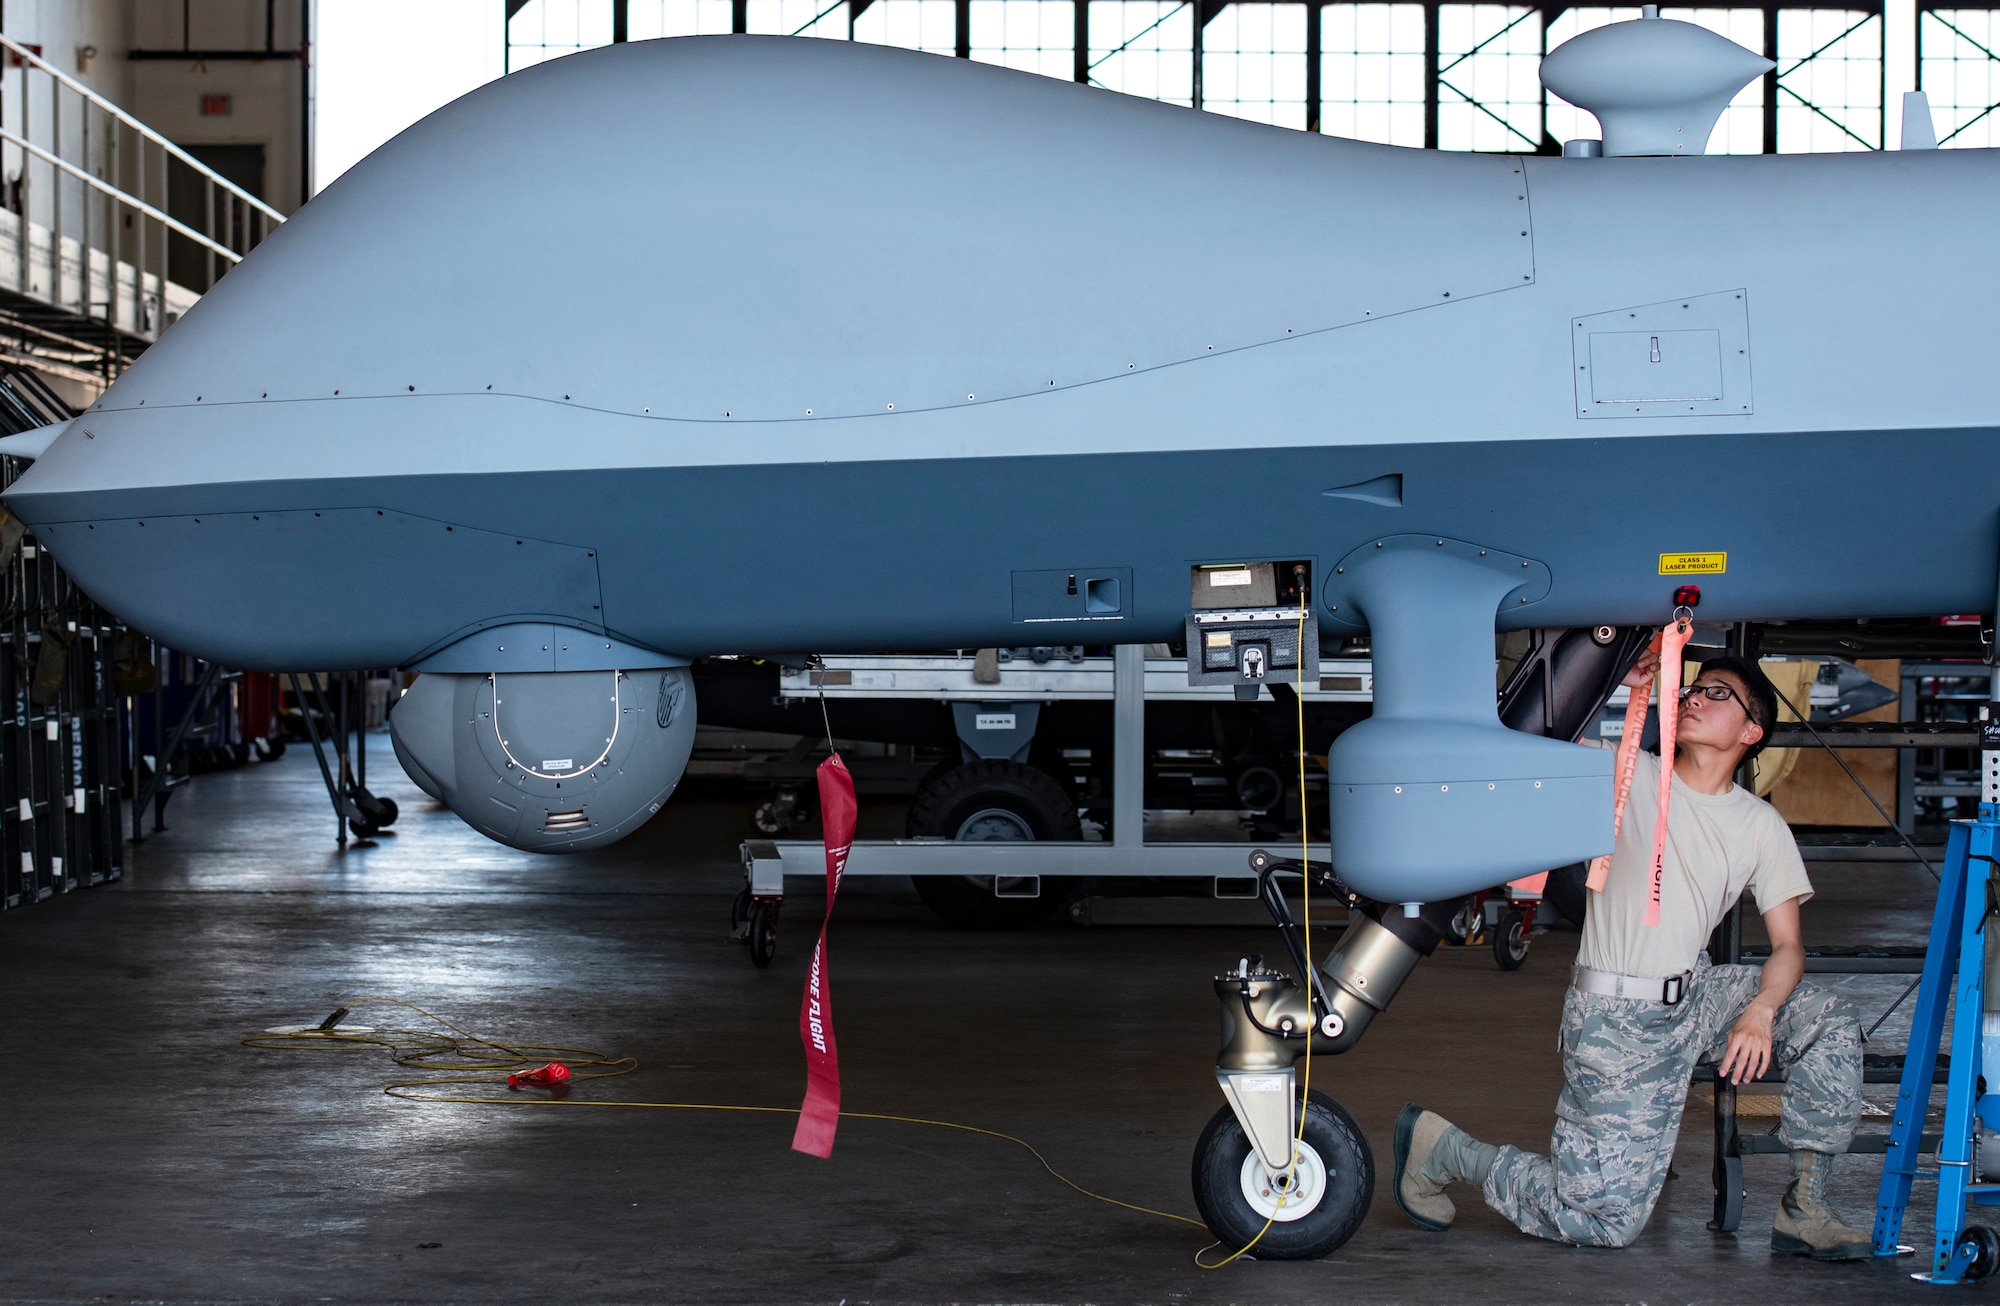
578, 405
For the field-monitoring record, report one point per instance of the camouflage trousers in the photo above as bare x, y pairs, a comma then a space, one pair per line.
1626, 1063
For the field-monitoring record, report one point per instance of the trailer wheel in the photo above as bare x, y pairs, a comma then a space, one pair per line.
763, 935
991, 800
1985, 1247
1510, 940
1331, 1187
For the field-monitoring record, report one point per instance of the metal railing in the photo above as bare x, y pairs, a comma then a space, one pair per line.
91, 207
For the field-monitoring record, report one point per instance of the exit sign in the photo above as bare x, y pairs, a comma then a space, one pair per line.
215, 106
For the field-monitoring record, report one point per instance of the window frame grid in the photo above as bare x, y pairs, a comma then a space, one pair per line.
1252, 64
1351, 70
1989, 114
1045, 59
1776, 87
1166, 14
927, 39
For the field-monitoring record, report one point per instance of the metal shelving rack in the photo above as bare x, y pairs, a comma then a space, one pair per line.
59, 743
1947, 695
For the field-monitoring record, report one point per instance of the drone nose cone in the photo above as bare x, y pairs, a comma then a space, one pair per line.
78, 485
273, 536
33, 496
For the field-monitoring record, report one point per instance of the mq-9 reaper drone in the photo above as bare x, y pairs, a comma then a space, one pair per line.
743, 344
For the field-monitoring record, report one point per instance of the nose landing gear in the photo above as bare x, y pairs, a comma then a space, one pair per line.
1284, 1167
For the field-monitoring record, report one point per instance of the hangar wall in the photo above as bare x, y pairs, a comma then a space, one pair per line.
206, 73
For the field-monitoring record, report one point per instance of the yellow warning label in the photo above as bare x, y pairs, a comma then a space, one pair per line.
1689, 564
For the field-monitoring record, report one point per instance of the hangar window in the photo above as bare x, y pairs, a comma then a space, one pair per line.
825, 18
1829, 80
1372, 72
911, 24
648, 19
1958, 66
1035, 36
549, 29
1253, 63
1143, 47
1489, 96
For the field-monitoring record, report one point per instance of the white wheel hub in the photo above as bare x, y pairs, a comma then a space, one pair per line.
1286, 1195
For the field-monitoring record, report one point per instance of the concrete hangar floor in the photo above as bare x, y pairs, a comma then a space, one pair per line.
150, 1156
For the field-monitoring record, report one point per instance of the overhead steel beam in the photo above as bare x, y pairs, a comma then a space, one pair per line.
1431, 77
1312, 64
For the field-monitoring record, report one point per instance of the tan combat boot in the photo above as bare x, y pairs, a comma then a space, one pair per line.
1430, 1153
1806, 1225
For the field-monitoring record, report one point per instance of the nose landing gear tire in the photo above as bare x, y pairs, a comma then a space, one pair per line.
1333, 1185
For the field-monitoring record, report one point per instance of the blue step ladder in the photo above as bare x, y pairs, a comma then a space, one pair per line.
1955, 976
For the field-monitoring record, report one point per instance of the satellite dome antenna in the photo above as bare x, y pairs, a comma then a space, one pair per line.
1656, 85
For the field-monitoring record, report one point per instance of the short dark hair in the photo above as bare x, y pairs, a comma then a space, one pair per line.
1762, 704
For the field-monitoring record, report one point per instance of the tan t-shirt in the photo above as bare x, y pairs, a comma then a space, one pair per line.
1717, 844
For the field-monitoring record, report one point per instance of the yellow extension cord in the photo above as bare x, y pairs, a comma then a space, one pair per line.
492, 1061
495, 1060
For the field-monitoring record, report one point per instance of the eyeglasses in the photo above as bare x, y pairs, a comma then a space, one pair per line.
1716, 693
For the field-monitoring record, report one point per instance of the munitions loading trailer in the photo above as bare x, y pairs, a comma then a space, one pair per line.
996, 851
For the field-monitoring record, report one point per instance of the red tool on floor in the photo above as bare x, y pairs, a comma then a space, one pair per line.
547, 1077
